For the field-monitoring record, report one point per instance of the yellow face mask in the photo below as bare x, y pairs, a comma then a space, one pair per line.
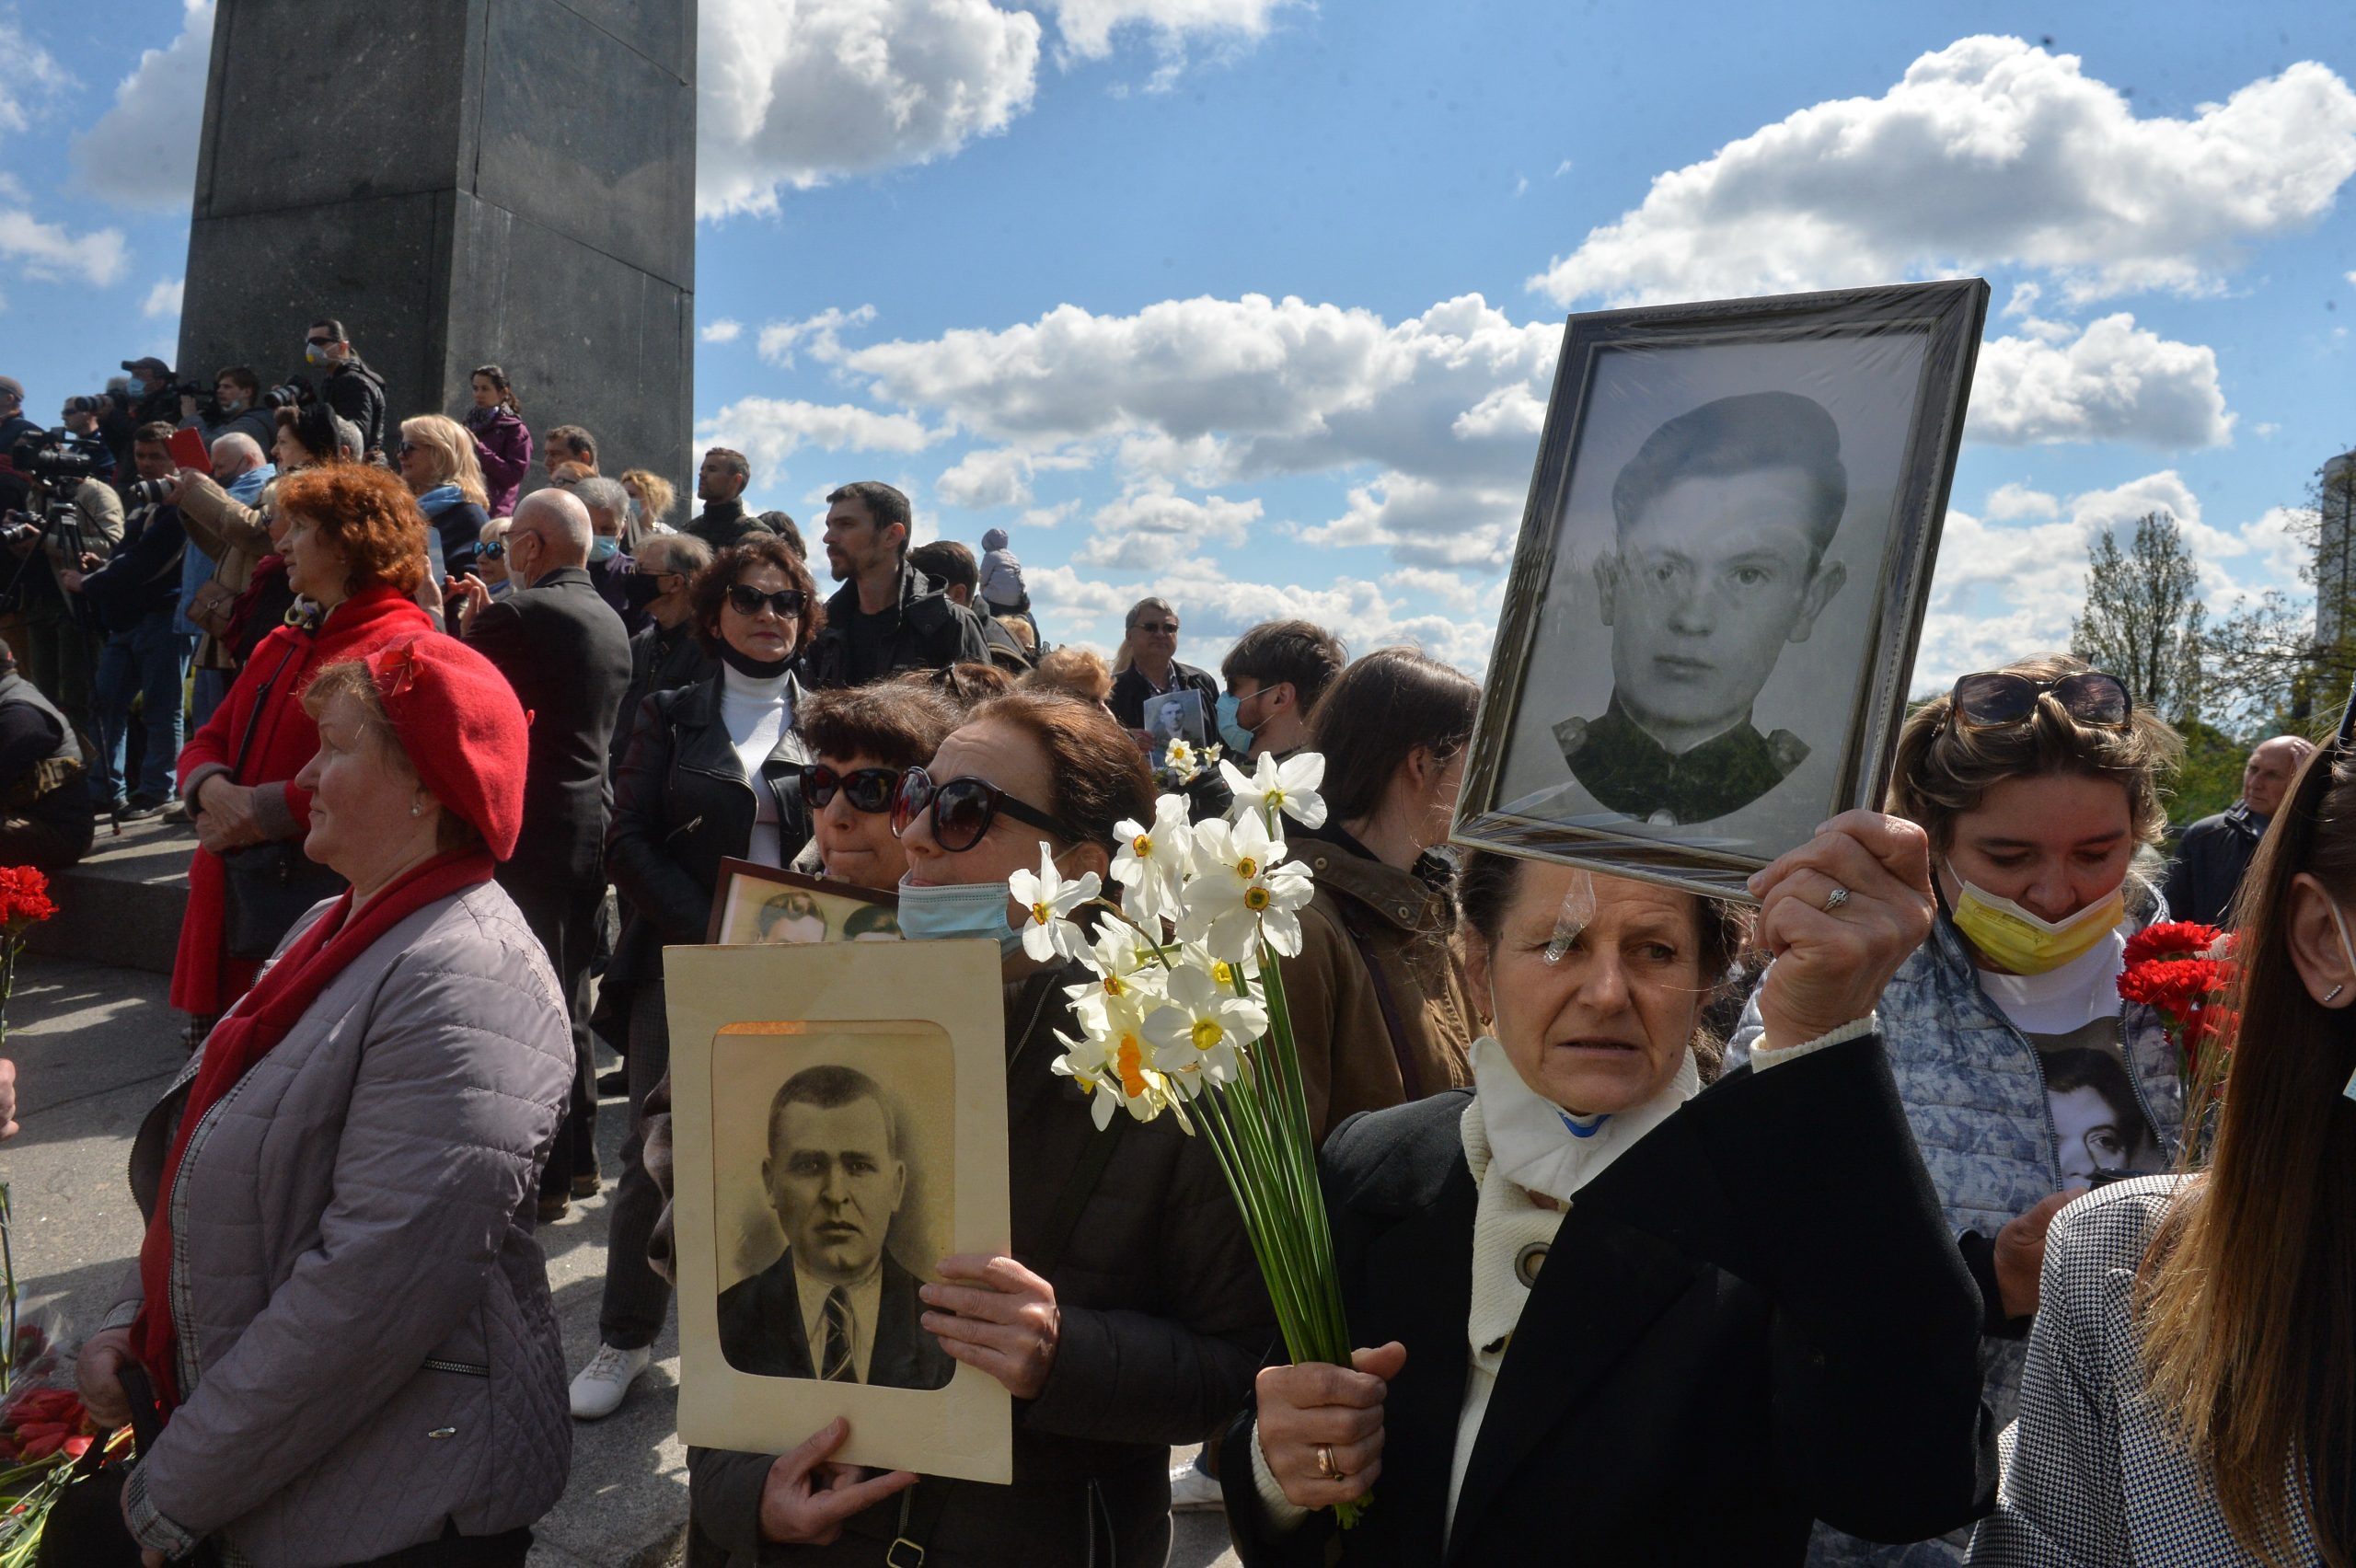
2010, 936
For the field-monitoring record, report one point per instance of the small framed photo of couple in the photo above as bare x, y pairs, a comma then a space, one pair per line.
838, 1116
762, 905
1720, 579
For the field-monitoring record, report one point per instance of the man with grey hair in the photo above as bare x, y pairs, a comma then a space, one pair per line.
664, 652
564, 650
609, 506
2215, 852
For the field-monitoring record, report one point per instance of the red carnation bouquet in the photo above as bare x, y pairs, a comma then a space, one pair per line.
2181, 970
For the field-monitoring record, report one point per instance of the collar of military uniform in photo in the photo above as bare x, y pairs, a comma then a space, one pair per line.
1619, 762
1345, 867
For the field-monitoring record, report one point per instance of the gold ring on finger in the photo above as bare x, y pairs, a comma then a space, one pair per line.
1325, 1462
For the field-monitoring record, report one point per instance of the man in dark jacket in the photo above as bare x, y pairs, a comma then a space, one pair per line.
950, 565
564, 650
665, 653
1154, 671
356, 392
719, 485
137, 594
44, 813
2215, 852
887, 616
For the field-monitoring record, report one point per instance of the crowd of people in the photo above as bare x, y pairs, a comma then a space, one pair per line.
1820, 1173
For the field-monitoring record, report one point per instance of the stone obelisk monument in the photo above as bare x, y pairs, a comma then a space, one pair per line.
459, 182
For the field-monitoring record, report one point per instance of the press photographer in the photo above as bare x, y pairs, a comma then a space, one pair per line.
352, 389
234, 407
69, 514
150, 395
83, 418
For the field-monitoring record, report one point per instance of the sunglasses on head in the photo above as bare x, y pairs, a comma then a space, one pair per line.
1997, 697
747, 600
867, 789
963, 810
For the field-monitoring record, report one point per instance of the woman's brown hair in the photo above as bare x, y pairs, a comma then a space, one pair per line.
2247, 1296
349, 678
1100, 777
1945, 769
709, 588
899, 726
367, 516
1376, 714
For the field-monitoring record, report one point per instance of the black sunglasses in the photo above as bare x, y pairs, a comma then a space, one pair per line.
868, 788
318, 343
747, 600
495, 550
963, 810
1168, 628
1998, 697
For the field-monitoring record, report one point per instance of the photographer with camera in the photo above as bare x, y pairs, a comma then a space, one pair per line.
235, 408
149, 393
137, 594
82, 420
352, 389
69, 513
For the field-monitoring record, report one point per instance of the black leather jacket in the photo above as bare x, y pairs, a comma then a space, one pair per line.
682, 805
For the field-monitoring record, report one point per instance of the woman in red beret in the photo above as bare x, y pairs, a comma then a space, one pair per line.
340, 1312
355, 551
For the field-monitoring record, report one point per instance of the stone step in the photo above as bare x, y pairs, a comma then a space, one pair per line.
123, 906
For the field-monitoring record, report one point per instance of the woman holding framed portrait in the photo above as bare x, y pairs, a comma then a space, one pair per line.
2023, 1075
713, 772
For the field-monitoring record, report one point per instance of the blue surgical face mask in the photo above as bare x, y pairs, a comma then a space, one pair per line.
929, 914
603, 548
139, 387
1232, 733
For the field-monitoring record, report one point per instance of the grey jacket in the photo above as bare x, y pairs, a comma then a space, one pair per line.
1974, 1091
366, 1346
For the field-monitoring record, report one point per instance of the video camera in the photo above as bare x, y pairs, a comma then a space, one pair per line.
292, 392
57, 454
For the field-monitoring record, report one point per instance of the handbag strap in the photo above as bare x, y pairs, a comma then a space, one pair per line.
253, 716
1392, 1023
922, 1504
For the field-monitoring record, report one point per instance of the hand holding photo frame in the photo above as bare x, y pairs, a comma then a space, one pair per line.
1720, 579
839, 1124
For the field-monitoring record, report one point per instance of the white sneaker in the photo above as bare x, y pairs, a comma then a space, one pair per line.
597, 1391
1192, 1491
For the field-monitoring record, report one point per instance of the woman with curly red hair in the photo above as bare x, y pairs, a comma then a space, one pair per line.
355, 551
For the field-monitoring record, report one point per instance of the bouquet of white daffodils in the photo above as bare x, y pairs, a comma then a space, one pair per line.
1183, 762
1186, 1016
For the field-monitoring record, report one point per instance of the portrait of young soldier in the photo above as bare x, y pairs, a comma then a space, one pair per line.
1723, 518
837, 1306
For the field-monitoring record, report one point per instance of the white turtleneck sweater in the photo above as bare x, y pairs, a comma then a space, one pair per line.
1528, 1156
756, 714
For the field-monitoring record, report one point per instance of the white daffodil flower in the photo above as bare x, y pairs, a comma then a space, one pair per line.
1287, 788
1047, 903
1123, 966
1151, 862
1243, 891
1196, 1033
1113, 1064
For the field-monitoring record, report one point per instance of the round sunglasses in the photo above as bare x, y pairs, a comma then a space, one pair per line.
963, 810
747, 600
867, 789
1997, 697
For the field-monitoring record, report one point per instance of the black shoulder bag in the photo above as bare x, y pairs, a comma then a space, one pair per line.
267, 887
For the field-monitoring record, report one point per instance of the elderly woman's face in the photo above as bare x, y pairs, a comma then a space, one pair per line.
1604, 1027
288, 450
763, 635
857, 846
360, 798
315, 566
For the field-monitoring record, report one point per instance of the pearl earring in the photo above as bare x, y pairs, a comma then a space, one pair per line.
416, 809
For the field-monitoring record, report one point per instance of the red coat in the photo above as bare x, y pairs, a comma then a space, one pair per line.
205, 980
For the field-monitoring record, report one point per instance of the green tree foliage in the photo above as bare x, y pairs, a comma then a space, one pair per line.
2144, 617
2269, 670
2209, 778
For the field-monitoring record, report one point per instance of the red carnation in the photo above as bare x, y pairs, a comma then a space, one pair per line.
24, 897
2169, 939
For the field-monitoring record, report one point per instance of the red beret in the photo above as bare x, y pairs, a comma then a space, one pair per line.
465, 734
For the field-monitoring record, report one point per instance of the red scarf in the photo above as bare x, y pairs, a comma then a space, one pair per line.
250, 1031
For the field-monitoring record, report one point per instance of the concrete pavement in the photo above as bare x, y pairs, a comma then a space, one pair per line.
94, 1046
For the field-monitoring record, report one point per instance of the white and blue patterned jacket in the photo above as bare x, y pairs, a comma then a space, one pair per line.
1974, 1090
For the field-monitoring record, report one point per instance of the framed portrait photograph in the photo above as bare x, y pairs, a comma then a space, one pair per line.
840, 1126
1177, 716
757, 906
1720, 579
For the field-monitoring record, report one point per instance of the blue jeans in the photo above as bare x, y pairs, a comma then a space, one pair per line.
205, 693
149, 663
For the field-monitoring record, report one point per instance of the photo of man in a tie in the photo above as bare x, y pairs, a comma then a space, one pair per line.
836, 1174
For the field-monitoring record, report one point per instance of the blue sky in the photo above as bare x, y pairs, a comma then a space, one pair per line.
1256, 302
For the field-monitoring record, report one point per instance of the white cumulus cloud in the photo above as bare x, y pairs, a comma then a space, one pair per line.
141, 152
1154, 529
769, 429
164, 299
47, 252
32, 78
722, 331
818, 334
1988, 152
2114, 381
793, 94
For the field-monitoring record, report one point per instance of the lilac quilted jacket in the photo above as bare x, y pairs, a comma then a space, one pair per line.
366, 1345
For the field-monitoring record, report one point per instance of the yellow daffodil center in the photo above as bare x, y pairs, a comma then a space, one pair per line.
1043, 912
1224, 972
1142, 844
1276, 799
1255, 899
1116, 987
1207, 1033
1128, 1059
1247, 868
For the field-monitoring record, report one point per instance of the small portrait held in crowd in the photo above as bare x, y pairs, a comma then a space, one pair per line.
1721, 577
840, 1131
762, 904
